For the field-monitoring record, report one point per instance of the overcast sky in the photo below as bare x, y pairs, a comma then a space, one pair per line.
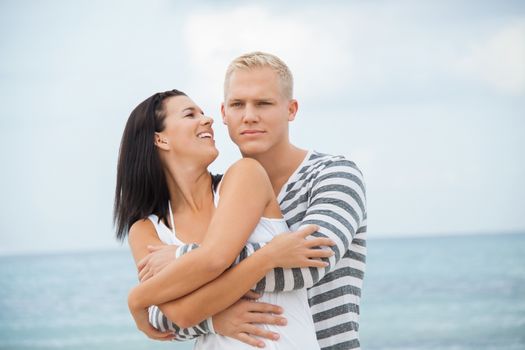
427, 97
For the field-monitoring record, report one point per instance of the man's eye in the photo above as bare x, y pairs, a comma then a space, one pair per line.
235, 104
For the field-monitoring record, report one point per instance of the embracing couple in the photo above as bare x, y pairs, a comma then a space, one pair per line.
272, 254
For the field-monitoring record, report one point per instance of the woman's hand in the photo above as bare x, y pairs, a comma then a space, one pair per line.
292, 249
141, 318
158, 258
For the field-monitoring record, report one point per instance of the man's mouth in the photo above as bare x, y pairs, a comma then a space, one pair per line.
251, 132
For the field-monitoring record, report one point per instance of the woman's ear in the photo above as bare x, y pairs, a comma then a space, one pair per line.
161, 141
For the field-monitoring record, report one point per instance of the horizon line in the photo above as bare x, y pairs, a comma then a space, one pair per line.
375, 236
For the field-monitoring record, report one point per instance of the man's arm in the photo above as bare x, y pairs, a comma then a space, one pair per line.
290, 249
239, 321
338, 207
337, 204
161, 323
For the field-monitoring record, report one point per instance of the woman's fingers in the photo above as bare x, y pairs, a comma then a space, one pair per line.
154, 248
143, 262
142, 273
146, 276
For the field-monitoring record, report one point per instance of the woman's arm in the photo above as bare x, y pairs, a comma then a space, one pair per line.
285, 250
245, 193
142, 234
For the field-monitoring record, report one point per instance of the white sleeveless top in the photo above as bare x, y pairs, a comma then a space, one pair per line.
299, 333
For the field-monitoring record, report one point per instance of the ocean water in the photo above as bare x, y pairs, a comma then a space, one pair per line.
449, 293
445, 293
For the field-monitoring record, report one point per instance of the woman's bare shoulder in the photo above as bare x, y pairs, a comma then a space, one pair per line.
140, 230
245, 172
246, 168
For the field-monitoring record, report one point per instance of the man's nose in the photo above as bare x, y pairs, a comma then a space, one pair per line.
251, 114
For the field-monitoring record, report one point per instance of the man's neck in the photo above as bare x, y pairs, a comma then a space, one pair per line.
281, 163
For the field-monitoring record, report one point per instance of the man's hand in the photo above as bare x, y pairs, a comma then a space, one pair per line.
238, 321
300, 249
158, 258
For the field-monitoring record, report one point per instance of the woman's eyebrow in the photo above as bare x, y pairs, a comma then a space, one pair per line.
193, 109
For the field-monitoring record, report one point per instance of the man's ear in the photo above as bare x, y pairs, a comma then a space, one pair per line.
161, 141
223, 114
293, 107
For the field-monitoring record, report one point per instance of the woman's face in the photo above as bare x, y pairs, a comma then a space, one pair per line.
188, 133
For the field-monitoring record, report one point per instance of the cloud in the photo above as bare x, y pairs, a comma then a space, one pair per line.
498, 61
358, 50
304, 40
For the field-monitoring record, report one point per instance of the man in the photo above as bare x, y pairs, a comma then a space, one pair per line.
312, 188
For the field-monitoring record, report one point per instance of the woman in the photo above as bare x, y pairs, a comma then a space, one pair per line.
165, 194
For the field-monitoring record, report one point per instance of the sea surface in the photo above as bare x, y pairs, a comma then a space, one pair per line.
443, 293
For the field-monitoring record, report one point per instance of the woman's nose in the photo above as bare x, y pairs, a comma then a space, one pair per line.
206, 120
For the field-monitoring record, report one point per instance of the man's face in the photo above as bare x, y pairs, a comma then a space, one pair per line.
256, 111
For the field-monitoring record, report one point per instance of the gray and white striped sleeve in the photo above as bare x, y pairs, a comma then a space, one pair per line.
159, 321
248, 250
337, 204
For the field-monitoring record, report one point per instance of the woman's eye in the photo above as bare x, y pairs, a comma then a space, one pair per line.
189, 115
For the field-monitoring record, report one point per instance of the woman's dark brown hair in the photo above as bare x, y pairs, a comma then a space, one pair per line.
141, 185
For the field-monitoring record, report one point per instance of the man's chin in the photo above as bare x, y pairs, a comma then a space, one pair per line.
252, 151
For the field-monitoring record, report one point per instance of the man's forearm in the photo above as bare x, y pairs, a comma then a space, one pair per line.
161, 323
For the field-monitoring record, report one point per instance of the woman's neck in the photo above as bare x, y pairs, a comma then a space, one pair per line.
190, 187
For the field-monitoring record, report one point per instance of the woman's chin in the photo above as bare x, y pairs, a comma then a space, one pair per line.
211, 156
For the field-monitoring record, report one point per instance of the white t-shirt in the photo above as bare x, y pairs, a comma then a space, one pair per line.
299, 332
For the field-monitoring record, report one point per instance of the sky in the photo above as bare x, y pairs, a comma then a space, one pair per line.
427, 97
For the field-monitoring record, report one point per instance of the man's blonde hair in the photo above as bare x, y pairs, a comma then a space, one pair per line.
258, 59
